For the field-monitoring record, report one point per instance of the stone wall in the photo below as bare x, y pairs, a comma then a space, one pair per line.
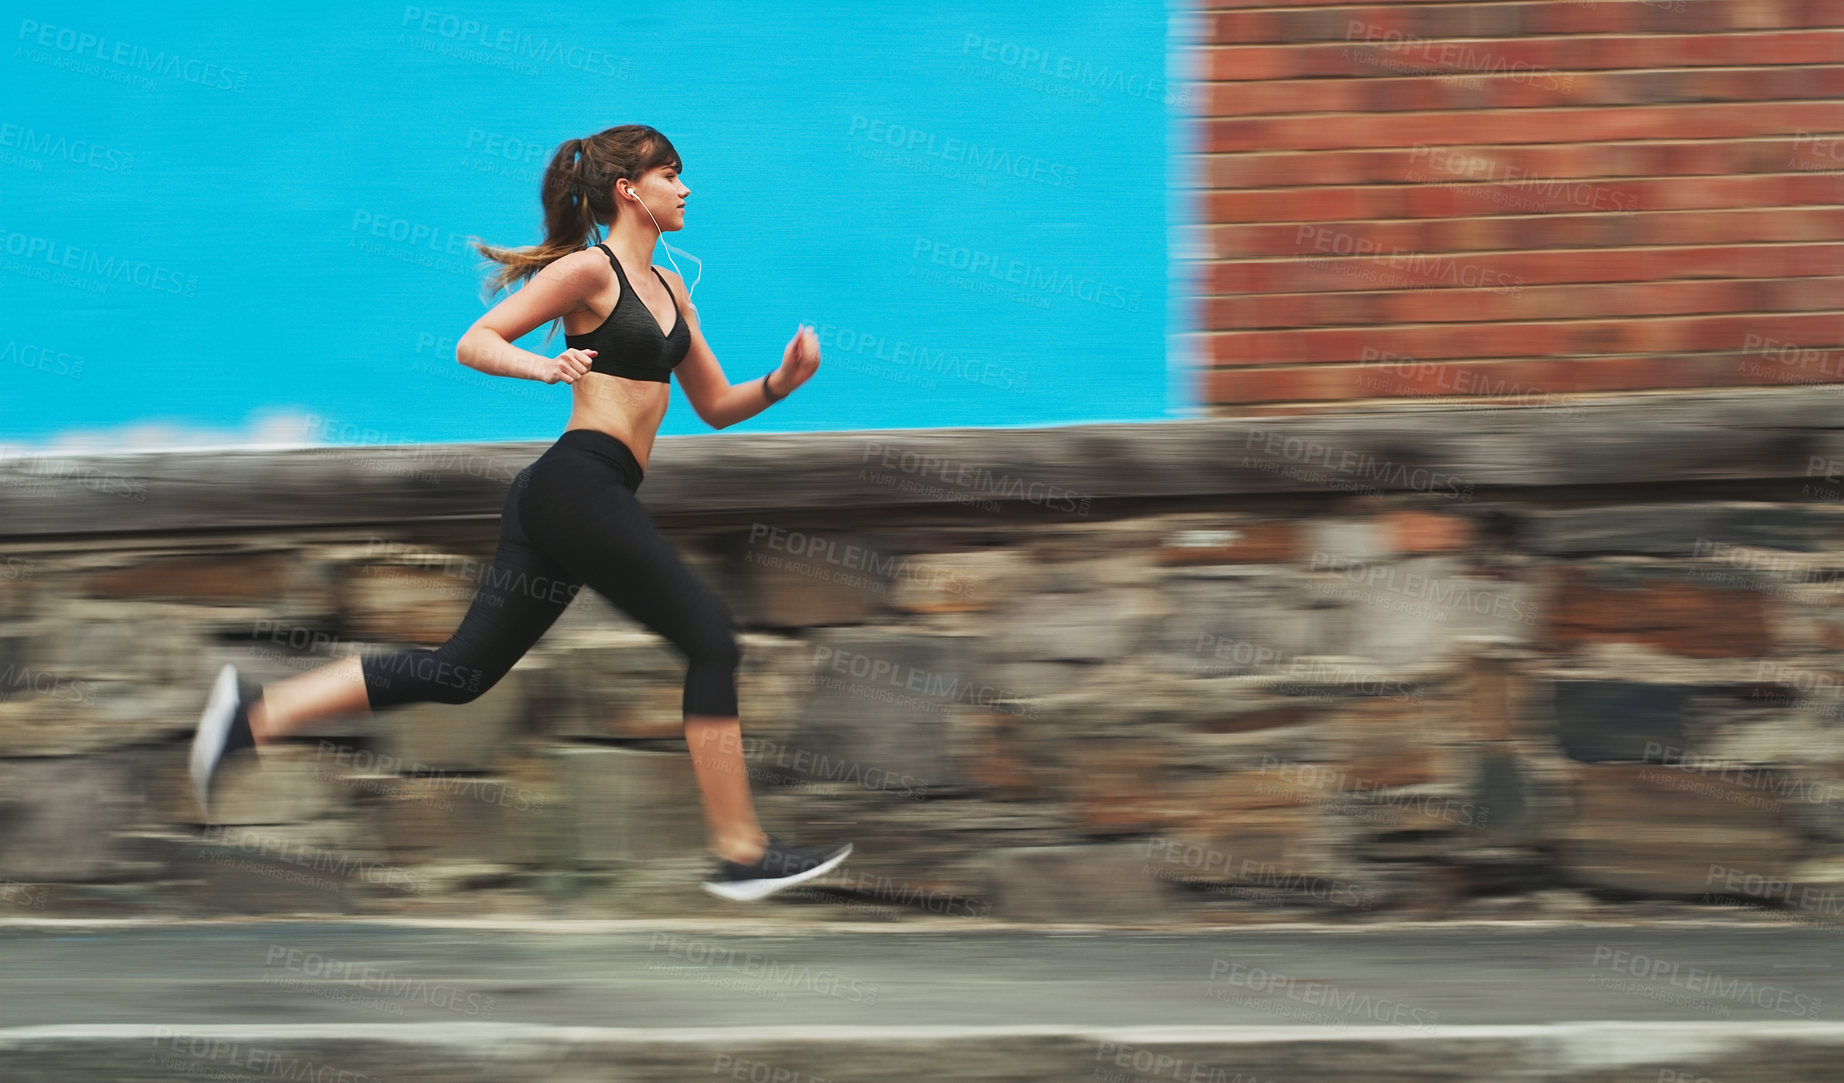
1419, 661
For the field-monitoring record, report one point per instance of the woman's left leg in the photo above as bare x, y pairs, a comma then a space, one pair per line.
583, 518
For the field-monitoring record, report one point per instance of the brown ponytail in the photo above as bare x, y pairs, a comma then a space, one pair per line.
577, 194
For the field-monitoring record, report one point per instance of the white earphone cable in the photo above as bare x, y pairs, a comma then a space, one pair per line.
662, 240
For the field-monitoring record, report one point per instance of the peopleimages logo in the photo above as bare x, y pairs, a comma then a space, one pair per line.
1428, 268
1445, 592
1314, 993
1302, 451
1693, 979
516, 44
769, 975
323, 973
944, 688
76, 151
131, 57
1449, 58
975, 479
1530, 184
1017, 272
120, 269
985, 159
1075, 71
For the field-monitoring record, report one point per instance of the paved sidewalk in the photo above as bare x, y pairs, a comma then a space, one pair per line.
309, 1000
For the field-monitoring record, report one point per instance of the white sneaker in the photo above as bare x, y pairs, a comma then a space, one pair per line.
778, 867
223, 728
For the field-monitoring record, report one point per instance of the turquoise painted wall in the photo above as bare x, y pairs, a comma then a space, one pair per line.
249, 224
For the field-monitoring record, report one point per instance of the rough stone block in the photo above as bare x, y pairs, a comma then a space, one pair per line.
626, 686
776, 576
1099, 883
1347, 541
472, 819
1089, 626
993, 755
627, 805
472, 736
290, 783
1280, 814
250, 871
71, 716
1511, 811
235, 578
1413, 530
106, 640
1016, 680
1304, 853
1665, 831
409, 602
1279, 542
1603, 721
20, 578
1678, 529
1827, 630
1812, 894
1504, 609
1279, 858
59, 817
1396, 742
973, 582
15, 663
881, 705
1663, 607
1410, 612
1233, 624
772, 682
1254, 713
1118, 787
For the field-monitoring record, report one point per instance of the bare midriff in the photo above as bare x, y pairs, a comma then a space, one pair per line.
628, 410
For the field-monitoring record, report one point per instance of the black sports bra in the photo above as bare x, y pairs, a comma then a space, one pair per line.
630, 343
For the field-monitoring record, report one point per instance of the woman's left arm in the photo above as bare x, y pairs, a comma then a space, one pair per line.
719, 402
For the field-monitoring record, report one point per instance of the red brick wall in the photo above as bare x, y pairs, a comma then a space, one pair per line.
1517, 200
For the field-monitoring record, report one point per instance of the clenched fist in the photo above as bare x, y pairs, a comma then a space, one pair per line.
799, 361
568, 366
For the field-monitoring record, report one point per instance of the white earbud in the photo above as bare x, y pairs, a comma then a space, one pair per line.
661, 234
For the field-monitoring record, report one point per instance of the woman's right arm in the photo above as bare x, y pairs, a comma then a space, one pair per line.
560, 287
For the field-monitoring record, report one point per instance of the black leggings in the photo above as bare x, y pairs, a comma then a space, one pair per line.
570, 518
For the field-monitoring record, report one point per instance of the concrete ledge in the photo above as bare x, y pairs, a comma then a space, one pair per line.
1732, 435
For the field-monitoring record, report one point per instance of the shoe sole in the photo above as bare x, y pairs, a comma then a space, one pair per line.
213, 726
750, 890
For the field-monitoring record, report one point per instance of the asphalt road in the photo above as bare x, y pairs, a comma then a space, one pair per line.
1743, 998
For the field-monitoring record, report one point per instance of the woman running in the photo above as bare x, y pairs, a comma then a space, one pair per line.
572, 517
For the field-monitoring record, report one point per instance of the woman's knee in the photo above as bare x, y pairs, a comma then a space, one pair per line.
717, 651
710, 679
466, 681
463, 688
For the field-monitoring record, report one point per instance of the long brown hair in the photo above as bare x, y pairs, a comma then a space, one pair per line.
578, 193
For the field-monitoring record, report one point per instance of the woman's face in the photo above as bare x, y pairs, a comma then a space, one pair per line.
663, 194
